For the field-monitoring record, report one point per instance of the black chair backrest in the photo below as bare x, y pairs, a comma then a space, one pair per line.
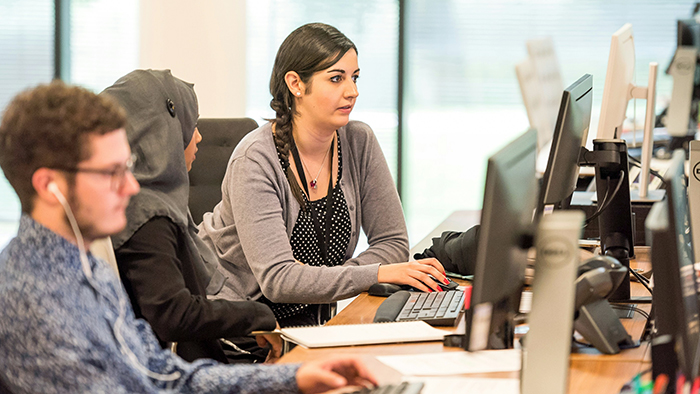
219, 138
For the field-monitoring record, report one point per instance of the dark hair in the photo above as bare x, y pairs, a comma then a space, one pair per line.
308, 49
48, 126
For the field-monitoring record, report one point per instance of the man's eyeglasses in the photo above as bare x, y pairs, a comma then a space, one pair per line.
118, 174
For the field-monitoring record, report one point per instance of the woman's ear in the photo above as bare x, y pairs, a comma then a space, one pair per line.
294, 83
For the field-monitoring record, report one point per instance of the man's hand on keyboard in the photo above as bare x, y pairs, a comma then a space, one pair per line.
414, 273
333, 373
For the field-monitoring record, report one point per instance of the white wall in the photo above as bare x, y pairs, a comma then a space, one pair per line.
202, 42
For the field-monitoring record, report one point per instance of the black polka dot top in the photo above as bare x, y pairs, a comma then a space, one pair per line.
304, 240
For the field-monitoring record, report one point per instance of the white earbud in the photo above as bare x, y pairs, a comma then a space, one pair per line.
54, 189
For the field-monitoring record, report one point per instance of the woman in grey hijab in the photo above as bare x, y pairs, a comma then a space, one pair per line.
166, 270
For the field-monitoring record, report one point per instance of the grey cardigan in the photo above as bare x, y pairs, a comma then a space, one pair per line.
251, 227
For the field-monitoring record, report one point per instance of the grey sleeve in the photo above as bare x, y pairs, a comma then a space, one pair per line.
256, 203
382, 216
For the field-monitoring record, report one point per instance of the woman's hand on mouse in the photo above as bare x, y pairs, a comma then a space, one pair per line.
414, 273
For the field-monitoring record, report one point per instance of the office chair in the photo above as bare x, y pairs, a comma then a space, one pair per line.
219, 138
326, 312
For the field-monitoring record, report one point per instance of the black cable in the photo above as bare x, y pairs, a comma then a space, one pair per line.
643, 282
600, 207
606, 201
628, 307
642, 312
635, 162
646, 280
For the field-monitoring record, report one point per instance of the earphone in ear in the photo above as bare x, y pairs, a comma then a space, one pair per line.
53, 188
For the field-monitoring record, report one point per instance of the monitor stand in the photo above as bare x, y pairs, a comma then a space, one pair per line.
615, 222
652, 196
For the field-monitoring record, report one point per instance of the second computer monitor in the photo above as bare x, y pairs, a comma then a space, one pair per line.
675, 297
682, 112
504, 239
689, 36
618, 78
570, 134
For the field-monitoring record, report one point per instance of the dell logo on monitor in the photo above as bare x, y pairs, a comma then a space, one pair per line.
696, 171
555, 253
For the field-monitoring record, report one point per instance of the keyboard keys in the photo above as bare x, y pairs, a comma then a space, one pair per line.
437, 307
457, 303
403, 388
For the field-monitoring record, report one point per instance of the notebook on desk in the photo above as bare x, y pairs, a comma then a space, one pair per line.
362, 334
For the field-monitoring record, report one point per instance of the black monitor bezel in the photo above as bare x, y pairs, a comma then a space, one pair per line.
506, 224
570, 135
674, 272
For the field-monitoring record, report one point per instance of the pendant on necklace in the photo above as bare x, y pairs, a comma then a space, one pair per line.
313, 183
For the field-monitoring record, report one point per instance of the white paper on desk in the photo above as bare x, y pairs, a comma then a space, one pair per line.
363, 334
467, 385
454, 363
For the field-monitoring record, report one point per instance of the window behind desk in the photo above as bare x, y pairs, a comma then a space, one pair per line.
99, 43
462, 96
373, 25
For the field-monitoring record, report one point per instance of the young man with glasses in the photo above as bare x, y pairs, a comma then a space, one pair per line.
66, 324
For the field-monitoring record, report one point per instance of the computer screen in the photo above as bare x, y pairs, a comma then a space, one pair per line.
570, 134
540, 81
618, 79
689, 35
675, 299
505, 236
681, 115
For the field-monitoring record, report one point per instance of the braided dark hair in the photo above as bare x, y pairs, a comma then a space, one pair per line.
308, 49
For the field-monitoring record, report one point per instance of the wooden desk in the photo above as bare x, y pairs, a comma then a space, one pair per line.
589, 370
588, 373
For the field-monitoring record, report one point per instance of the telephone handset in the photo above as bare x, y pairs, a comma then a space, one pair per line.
594, 318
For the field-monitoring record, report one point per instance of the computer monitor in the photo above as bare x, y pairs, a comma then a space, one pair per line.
540, 81
675, 300
617, 90
680, 117
689, 36
570, 134
504, 240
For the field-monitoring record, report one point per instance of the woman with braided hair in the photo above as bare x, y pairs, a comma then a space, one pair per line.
298, 189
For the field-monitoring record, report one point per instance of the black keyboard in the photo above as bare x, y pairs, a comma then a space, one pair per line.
439, 308
403, 388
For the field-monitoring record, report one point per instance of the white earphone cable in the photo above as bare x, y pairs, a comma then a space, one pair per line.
85, 264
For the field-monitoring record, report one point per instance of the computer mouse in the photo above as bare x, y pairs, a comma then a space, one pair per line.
451, 286
382, 289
